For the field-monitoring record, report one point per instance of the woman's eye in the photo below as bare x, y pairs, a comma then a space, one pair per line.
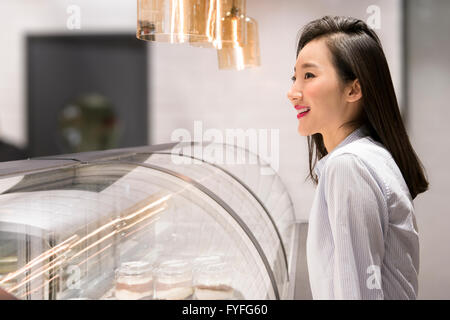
307, 75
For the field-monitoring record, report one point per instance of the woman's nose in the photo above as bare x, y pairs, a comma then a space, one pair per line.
294, 95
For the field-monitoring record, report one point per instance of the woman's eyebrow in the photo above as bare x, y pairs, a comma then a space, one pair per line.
307, 65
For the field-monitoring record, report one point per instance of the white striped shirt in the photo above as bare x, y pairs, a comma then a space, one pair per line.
363, 240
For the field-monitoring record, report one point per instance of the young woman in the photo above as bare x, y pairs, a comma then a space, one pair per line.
362, 239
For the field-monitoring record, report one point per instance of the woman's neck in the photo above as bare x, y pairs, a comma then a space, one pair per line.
333, 137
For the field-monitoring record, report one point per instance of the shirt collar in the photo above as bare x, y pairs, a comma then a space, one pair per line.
355, 135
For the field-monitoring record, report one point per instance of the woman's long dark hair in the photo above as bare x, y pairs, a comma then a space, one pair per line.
357, 54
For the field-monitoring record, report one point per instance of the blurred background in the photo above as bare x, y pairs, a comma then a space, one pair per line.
68, 88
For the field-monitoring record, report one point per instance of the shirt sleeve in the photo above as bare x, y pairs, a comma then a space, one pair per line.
356, 206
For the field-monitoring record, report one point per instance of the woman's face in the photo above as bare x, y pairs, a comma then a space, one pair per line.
316, 86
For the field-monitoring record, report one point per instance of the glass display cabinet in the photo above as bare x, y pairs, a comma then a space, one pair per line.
172, 221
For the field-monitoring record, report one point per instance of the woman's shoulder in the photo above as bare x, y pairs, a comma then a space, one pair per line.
364, 148
375, 160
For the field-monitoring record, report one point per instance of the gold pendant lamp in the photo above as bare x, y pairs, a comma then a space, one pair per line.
224, 24
205, 23
167, 20
245, 56
205, 14
231, 26
150, 19
219, 24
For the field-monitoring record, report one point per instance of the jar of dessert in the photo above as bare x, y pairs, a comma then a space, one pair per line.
134, 281
213, 281
173, 280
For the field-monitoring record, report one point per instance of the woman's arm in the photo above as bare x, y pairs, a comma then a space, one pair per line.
356, 210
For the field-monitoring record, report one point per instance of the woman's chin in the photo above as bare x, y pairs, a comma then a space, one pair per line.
301, 131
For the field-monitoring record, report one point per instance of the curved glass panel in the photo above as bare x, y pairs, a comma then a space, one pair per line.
260, 179
65, 233
159, 224
252, 171
240, 199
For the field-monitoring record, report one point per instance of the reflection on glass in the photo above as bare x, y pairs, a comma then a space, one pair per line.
78, 251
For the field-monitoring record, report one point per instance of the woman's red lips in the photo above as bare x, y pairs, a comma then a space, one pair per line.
302, 114
302, 110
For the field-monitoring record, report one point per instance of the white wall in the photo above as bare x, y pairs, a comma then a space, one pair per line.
429, 97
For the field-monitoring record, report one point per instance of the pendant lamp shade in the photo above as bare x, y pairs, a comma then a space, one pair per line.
219, 24
247, 56
204, 23
173, 21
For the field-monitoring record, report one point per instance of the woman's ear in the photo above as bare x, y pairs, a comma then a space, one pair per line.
353, 92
